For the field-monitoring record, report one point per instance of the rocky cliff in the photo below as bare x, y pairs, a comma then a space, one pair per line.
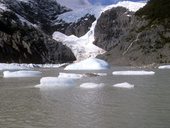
22, 42
132, 39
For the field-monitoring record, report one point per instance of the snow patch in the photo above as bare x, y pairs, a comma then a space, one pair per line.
91, 85
75, 15
26, 1
89, 64
3, 7
133, 73
131, 6
51, 82
9, 74
124, 85
75, 4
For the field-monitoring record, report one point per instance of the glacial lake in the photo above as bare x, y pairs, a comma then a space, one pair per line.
147, 105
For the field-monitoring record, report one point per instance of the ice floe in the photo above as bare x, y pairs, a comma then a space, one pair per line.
89, 64
91, 85
124, 85
17, 66
133, 73
9, 74
164, 67
50, 82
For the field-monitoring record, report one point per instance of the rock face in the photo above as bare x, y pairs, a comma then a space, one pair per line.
44, 14
21, 42
79, 28
39, 12
110, 27
132, 40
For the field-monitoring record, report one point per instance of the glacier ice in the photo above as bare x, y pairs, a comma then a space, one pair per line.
89, 64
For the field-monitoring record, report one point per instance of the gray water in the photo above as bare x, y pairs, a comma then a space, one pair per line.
145, 106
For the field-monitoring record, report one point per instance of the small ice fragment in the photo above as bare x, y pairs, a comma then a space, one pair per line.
124, 85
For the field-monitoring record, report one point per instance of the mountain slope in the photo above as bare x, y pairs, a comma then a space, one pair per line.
38, 12
76, 4
22, 42
135, 39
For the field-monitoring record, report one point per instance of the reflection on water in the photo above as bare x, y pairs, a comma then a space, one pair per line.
145, 106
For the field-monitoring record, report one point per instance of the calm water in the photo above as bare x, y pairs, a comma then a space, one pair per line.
145, 106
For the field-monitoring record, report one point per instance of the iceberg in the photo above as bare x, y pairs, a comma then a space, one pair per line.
164, 67
52, 82
124, 85
91, 85
133, 73
89, 64
10, 74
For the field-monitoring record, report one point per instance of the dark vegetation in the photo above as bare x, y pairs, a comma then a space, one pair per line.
156, 10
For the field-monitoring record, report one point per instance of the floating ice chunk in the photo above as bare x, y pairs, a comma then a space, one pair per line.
12, 66
71, 75
9, 74
91, 85
123, 85
89, 64
164, 67
48, 82
133, 73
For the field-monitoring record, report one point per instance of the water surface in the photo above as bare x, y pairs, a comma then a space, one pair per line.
145, 106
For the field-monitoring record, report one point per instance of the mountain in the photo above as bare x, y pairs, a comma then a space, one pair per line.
141, 38
40, 31
75, 4
22, 37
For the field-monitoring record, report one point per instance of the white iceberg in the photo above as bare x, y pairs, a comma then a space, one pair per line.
133, 73
124, 85
164, 67
9, 74
89, 64
50, 82
91, 85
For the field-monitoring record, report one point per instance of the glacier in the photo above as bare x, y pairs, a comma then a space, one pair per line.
89, 64
83, 47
